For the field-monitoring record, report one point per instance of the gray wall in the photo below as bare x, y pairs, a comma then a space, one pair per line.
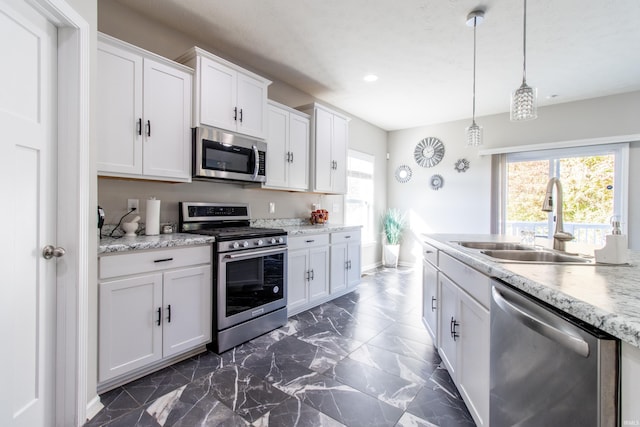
464, 203
130, 26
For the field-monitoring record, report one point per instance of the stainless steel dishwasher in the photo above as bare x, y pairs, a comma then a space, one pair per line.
547, 368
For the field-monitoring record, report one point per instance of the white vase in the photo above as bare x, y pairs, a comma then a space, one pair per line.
390, 254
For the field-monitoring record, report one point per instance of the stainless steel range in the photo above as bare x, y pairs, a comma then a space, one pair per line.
249, 271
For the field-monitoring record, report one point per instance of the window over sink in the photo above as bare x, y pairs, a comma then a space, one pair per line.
594, 180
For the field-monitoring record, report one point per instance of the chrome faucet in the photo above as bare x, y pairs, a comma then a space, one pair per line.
560, 237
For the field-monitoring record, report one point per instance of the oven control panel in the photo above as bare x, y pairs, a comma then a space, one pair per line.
252, 243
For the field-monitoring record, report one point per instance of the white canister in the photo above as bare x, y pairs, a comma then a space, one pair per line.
152, 226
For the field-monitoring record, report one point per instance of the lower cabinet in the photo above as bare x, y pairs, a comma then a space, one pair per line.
308, 275
430, 291
464, 333
148, 316
345, 261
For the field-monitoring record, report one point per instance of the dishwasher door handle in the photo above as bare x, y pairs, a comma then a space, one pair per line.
572, 342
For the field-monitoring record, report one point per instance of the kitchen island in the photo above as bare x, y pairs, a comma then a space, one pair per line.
604, 296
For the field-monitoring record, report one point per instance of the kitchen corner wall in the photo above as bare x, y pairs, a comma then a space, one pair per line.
463, 205
130, 26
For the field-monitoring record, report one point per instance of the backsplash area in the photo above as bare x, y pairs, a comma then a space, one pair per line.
113, 195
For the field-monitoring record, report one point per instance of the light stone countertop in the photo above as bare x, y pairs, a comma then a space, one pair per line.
299, 227
605, 296
124, 244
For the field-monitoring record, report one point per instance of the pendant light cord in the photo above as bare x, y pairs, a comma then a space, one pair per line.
524, 45
474, 68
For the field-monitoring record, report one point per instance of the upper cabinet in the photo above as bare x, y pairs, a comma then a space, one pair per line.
288, 148
227, 96
144, 114
329, 144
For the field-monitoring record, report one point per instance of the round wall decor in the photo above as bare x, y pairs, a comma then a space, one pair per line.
403, 174
429, 151
461, 165
436, 182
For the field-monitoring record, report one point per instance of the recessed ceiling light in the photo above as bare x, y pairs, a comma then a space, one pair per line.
370, 78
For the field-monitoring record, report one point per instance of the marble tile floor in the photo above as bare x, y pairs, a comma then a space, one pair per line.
364, 359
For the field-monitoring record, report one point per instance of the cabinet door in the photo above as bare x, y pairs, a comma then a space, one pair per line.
430, 298
297, 280
186, 309
353, 273
448, 314
119, 111
218, 94
277, 147
319, 268
299, 148
473, 363
323, 160
251, 103
130, 331
339, 267
339, 155
167, 122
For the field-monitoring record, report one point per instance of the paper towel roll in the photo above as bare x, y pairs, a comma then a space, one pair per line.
152, 227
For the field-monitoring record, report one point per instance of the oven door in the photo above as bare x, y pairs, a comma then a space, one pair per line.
221, 155
249, 284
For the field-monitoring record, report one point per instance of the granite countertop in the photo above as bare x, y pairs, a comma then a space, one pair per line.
605, 296
124, 244
298, 226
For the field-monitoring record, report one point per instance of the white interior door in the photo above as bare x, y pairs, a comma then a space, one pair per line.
28, 47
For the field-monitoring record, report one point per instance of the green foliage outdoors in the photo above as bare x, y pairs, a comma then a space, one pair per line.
393, 222
584, 180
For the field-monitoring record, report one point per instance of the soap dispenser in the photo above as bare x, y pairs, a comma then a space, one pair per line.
615, 247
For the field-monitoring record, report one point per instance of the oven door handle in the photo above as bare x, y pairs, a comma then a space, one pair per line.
256, 165
253, 254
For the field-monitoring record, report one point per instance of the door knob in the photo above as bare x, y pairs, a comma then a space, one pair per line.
49, 252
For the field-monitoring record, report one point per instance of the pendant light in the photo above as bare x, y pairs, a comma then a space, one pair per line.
524, 99
474, 132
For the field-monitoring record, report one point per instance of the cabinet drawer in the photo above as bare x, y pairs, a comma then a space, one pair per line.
473, 282
152, 260
345, 236
430, 253
308, 241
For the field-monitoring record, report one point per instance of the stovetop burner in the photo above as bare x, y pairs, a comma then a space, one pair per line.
227, 223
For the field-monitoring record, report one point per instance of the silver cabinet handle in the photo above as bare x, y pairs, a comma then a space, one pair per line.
570, 341
49, 252
256, 165
253, 254
433, 307
453, 325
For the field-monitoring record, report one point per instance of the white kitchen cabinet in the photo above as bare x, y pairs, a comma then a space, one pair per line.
288, 148
329, 144
227, 96
143, 114
345, 261
308, 272
464, 332
430, 300
153, 306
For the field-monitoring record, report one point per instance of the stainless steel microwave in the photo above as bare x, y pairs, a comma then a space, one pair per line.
225, 156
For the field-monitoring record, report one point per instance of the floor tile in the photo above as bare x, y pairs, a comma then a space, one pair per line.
155, 385
383, 386
439, 407
293, 412
116, 404
319, 336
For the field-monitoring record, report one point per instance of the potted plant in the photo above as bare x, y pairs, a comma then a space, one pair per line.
393, 223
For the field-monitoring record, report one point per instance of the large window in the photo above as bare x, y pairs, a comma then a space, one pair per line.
592, 181
359, 199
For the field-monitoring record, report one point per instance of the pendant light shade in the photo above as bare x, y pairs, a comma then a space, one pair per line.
474, 132
524, 100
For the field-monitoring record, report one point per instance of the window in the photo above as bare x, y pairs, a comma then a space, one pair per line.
593, 191
358, 203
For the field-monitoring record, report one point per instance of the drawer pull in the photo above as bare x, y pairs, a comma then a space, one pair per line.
347, 237
163, 260
310, 241
159, 321
169, 314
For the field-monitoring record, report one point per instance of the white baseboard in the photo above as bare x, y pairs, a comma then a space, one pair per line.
366, 268
93, 407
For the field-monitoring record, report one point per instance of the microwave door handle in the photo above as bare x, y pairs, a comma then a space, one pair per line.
256, 164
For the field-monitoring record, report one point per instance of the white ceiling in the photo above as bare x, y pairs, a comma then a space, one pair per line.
421, 50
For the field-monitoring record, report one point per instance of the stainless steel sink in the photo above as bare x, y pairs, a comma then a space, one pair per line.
495, 246
535, 256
